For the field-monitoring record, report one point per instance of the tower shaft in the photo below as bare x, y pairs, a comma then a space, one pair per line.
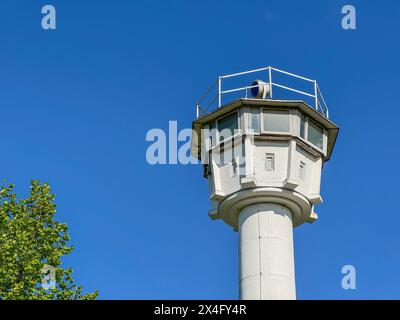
266, 253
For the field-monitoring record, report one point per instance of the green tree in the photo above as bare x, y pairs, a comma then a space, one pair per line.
31, 241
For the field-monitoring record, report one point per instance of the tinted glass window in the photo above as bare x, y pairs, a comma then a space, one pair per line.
303, 126
213, 133
255, 121
227, 126
276, 120
315, 134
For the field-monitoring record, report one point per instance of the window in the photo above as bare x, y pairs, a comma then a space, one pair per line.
269, 162
227, 126
302, 170
315, 134
276, 120
255, 121
302, 126
212, 133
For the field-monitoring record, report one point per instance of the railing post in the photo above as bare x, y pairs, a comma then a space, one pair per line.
270, 81
219, 92
316, 94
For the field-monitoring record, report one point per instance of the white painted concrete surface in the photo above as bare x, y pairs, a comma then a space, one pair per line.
264, 181
266, 253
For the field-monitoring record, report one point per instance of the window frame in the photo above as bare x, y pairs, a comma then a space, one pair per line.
218, 138
308, 131
254, 113
305, 118
270, 156
212, 142
262, 115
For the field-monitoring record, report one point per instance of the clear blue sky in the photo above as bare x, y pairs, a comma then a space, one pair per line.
77, 102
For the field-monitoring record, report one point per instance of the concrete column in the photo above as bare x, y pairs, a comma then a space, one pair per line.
266, 253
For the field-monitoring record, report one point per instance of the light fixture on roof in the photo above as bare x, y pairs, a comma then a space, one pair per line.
260, 89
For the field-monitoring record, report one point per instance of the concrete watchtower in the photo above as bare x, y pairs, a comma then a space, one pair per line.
263, 159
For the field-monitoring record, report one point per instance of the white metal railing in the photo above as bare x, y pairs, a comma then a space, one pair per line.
316, 94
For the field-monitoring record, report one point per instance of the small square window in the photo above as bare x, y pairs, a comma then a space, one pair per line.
269, 162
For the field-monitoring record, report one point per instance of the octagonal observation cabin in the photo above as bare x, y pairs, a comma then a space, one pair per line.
263, 139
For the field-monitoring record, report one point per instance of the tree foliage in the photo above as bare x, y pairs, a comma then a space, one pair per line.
30, 241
